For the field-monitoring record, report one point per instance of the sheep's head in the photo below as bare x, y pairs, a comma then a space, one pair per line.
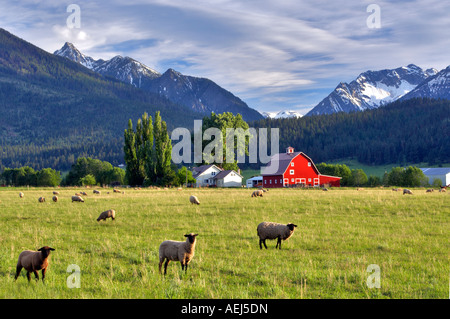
46, 250
291, 226
191, 237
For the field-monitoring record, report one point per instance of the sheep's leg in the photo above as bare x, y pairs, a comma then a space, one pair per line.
278, 243
18, 270
29, 276
264, 242
165, 266
36, 274
160, 264
43, 273
260, 244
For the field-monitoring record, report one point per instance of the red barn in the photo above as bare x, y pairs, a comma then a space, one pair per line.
295, 168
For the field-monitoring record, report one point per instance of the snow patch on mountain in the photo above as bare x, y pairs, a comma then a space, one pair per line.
281, 114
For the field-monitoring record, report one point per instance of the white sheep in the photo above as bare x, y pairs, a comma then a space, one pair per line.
111, 213
21, 195
181, 251
77, 199
96, 192
33, 261
55, 193
269, 230
407, 191
194, 200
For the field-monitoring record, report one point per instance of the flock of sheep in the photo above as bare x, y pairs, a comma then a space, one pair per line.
169, 250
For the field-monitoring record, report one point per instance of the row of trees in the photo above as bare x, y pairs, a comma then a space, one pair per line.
398, 176
27, 176
88, 171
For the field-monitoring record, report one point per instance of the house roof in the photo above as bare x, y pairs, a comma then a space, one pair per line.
197, 171
284, 159
436, 171
222, 174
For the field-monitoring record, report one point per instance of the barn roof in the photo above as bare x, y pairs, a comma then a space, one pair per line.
284, 159
436, 171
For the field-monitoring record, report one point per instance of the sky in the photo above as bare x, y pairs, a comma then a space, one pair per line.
274, 55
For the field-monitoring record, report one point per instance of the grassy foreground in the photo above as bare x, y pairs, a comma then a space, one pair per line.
341, 232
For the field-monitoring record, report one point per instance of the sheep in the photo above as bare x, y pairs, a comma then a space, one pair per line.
181, 251
407, 191
55, 198
257, 193
194, 200
21, 195
269, 230
33, 261
41, 199
55, 193
84, 193
430, 190
77, 199
96, 192
107, 214
116, 190
442, 190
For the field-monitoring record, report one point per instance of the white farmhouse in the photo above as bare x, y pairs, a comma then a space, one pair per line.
442, 173
204, 175
228, 178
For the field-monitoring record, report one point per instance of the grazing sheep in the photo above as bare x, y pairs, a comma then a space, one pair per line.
269, 230
96, 192
407, 191
84, 193
77, 199
116, 190
442, 190
257, 193
55, 198
77, 194
55, 193
41, 199
21, 195
325, 189
111, 213
194, 200
395, 189
430, 190
181, 251
33, 261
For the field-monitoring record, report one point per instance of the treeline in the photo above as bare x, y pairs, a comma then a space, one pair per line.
27, 176
398, 176
411, 131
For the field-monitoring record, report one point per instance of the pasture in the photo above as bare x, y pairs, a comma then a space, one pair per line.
340, 233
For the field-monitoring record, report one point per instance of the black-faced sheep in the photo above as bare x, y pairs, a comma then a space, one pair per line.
269, 230
33, 261
55, 198
181, 251
41, 199
407, 191
194, 200
111, 213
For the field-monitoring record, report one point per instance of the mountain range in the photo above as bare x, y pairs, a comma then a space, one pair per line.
372, 89
281, 114
198, 94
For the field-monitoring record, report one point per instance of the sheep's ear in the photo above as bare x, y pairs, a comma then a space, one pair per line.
50, 248
186, 235
195, 235
41, 249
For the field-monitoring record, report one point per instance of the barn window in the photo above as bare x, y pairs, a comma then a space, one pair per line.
309, 164
309, 179
291, 172
281, 181
275, 181
265, 181
292, 180
270, 182
292, 164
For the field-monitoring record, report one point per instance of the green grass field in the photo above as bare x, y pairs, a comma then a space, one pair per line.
341, 232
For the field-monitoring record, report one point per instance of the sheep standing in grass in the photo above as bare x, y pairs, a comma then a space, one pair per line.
21, 195
111, 213
181, 251
96, 192
41, 199
257, 193
77, 199
55, 193
194, 200
33, 261
407, 191
55, 198
269, 230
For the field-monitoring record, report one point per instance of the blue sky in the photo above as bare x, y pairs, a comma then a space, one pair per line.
274, 55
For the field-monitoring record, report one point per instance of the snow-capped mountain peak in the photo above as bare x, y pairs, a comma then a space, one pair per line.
281, 114
373, 89
71, 52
